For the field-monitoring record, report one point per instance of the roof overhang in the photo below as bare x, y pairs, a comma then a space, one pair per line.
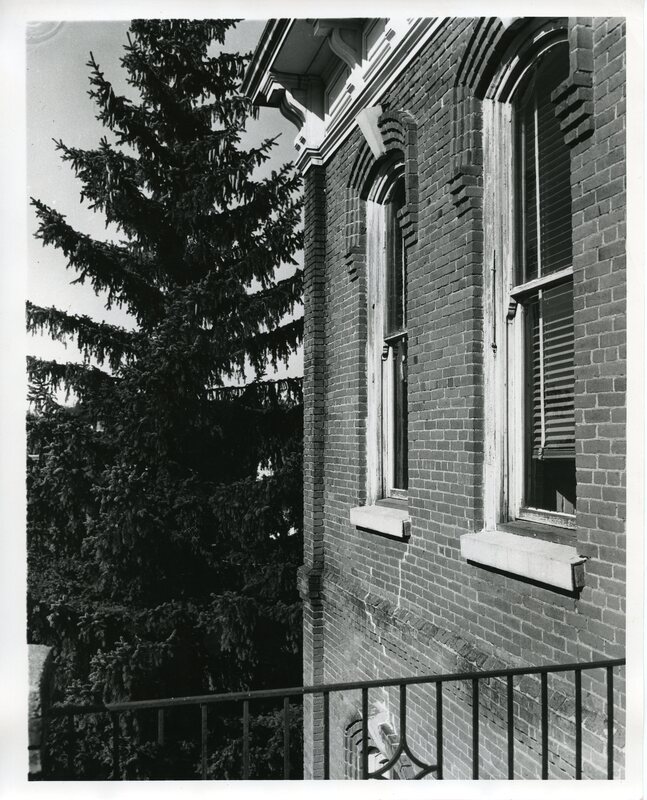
324, 73
297, 48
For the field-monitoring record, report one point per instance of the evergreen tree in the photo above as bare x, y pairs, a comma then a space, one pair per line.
164, 505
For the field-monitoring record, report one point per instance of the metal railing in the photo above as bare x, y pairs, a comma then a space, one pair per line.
290, 695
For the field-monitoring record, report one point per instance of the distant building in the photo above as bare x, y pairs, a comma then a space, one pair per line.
464, 375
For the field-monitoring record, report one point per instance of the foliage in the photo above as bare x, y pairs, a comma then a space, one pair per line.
164, 504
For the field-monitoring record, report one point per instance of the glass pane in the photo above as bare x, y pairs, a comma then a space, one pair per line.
554, 171
400, 434
544, 207
550, 400
395, 270
527, 196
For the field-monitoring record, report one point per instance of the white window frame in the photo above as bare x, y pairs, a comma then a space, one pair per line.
504, 331
380, 394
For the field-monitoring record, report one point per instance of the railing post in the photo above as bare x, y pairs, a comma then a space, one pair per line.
578, 724
364, 733
160, 727
286, 738
403, 712
475, 729
610, 723
544, 726
203, 741
70, 744
439, 730
116, 766
245, 739
510, 716
326, 711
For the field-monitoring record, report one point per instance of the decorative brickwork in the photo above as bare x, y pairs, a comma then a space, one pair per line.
466, 175
313, 471
398, 132
379, 608
574, 98
466, 182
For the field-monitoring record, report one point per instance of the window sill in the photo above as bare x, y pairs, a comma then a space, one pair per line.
387, 520
549, 563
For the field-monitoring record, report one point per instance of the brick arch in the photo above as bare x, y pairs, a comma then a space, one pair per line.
480, 74
480, 59
398, 140
484, 41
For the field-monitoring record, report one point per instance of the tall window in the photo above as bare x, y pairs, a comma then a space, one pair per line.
542, 286
387, 346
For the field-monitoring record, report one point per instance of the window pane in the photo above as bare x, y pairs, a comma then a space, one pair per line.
554, 171
551, 432
544, 209
400, 456
395, 270
527, 194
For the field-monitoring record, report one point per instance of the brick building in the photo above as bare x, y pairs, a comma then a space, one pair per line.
464, 377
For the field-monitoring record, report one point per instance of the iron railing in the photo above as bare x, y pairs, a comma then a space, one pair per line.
288, 696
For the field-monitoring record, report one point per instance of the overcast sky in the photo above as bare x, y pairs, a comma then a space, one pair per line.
58, 107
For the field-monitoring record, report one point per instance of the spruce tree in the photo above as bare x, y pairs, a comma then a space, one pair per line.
164, 501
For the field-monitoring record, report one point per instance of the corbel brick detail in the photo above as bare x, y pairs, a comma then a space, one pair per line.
574, 97
466, 181
399, 133
310, 583
398, 130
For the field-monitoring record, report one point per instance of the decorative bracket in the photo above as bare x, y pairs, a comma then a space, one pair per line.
367, 121
512, 309
344, 38
306, 90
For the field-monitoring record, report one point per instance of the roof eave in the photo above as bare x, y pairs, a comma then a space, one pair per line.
266, 51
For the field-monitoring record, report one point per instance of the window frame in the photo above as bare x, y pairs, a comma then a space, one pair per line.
506, 410
382, 215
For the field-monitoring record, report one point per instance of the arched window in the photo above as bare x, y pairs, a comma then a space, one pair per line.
544, 286
528, 218
387, 341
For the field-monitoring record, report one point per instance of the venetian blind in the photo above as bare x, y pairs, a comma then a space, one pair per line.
553, 399
546, 213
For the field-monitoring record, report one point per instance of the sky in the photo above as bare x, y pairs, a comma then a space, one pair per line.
58, 107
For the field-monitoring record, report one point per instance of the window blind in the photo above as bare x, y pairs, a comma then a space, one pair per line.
553, 379
545, 209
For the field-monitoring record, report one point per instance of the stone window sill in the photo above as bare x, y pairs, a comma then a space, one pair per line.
387, 520
550, 563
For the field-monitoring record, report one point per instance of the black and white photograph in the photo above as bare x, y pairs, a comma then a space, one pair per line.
325, 352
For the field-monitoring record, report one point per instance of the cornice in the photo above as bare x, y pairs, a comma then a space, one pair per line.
302, 97
370, 81
270, 42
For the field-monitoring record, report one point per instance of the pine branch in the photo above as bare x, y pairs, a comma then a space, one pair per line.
111, 181
108, 267
275, 345
287, 391
131, 123
85, 381
268, 305
100, 340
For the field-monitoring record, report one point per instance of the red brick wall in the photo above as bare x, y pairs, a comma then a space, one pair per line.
400, 608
